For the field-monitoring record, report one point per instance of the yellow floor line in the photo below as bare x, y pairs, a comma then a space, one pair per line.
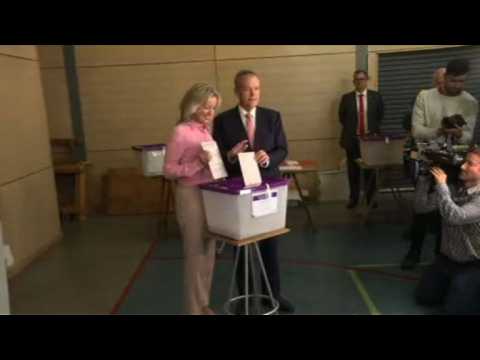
363, 293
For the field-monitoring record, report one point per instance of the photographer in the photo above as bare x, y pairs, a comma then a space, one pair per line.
421, 222
453, 281
433, 105
448, 100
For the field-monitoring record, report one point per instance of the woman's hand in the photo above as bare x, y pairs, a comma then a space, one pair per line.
205, 157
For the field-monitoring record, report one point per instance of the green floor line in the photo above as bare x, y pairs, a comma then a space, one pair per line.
364, 294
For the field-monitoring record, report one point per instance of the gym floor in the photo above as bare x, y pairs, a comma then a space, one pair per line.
120, 265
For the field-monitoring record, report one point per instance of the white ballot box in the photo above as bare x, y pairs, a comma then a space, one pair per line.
151, 158
237, 212
382, 150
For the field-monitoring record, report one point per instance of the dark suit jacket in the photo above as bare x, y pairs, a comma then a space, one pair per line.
347, 114
228, 131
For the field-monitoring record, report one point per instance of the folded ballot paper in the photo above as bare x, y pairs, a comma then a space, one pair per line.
250, 170
216, 165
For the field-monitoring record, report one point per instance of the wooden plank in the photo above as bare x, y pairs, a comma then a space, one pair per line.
23, 51
25, 147
306, 90
101, 55
256, 51
101, 163
57, 103
250, 240
51, 55
127, 106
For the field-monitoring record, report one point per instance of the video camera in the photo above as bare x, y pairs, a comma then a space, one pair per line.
453, 122
444, 154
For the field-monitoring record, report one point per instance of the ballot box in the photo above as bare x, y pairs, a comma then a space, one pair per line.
150, 158
382, 150
237, 212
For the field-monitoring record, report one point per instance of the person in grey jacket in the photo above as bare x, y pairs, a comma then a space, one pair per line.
453, 280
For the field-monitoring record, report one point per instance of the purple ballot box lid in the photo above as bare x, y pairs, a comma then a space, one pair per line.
235, 186
151, 147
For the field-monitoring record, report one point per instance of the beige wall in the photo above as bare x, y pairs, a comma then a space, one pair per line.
130, 93
54, 83
28, 203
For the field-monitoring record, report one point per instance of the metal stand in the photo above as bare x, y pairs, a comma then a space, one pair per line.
250, 250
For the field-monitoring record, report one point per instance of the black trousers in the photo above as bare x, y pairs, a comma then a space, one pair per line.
454, 286
269, 253
354, 173
420, 226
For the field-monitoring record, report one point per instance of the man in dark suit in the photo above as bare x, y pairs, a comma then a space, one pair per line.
360, 113
249, 127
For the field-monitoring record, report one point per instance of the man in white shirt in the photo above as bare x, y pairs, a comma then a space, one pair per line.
433, 105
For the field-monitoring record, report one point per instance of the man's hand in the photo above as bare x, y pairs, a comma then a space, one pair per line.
439, 175
205, 157
455, 132
262, 158
240, 147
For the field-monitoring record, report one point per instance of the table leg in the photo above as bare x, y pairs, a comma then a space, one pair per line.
303, 202
81, 182
374, 193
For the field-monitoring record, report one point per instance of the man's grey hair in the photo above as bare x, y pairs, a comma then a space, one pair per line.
241, 74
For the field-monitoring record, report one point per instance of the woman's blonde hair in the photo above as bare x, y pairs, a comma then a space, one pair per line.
197, 95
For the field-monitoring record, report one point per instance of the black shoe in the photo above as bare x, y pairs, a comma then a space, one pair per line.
352, 204
411, 260
285, 305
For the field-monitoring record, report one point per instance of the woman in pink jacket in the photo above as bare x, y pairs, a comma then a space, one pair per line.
187, 163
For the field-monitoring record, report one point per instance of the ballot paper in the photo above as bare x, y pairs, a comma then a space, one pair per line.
250, 170
216, 165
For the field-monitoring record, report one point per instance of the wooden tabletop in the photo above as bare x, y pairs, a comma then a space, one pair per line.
252, 239
304, 166
70, 168
362, 165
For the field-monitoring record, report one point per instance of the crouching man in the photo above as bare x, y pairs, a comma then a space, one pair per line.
453, 281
